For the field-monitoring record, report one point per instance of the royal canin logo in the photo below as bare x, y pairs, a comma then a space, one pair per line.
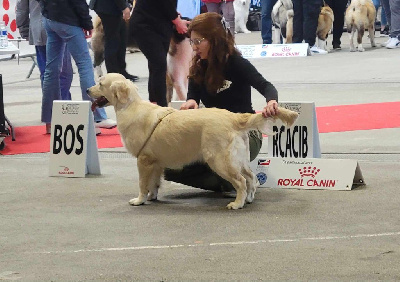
286, 49
66, 171
308, 175
309, 171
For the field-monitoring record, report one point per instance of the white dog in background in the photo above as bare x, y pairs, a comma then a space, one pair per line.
242, 8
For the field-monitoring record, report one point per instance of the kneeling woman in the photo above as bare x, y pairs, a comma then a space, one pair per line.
220, 77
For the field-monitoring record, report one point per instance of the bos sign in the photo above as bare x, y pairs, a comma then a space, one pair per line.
73, 144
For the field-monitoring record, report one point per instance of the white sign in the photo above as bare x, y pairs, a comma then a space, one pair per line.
301, 140
329, 174
73, 144
274, 50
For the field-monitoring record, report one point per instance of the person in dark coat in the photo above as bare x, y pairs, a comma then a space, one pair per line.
113, 14
152, 27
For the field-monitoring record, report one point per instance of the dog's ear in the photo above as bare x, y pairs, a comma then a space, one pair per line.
120, 90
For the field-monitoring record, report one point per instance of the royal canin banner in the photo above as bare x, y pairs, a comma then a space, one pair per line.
309, 173
274, 50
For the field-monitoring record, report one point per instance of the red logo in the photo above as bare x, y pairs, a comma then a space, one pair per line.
286, 49
309, 171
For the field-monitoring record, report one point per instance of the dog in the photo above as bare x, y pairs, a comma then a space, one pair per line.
163, 137
360, 15
282, 18
325, 24
178, 58
241, 8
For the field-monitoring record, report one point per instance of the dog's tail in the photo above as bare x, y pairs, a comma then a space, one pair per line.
97, 23
287, 4
258, 122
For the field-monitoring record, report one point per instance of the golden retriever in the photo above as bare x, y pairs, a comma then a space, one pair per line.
360, 15
163, 137
325, 23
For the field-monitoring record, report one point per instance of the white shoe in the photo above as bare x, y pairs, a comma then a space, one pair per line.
386, 42
106, 123
394, 42
316, 50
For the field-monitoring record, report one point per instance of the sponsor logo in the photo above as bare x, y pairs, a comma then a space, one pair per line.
65, 170
307, 179
261, 177
264, 162
70, 109
309, 171
263, 54
286, 49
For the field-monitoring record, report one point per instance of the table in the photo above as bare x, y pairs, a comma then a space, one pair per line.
5, 125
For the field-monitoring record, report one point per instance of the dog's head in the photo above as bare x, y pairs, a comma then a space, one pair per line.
113, 89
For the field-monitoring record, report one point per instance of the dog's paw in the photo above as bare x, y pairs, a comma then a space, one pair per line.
373, 44
353, 49
361, 49
136, 202
234, 206
246, 31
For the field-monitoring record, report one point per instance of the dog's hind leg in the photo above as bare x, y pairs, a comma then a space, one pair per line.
224, 166
250, 183
146, 180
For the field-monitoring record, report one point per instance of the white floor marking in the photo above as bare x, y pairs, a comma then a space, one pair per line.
223, 243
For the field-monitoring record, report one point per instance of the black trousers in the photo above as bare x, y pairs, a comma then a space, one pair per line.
305, 20
155, 48
114, 42
339, 8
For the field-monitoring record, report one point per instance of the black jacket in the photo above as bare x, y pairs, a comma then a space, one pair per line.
110, 7
156, 15
240, 76
71, 12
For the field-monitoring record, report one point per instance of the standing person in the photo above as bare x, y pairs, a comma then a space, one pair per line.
305, 23
392, 10
30, 25
152, 27
226, 7
68, 22
266, 20
113, 14
220, 77
339, 8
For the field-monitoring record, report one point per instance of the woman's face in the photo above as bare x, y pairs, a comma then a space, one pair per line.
199, 44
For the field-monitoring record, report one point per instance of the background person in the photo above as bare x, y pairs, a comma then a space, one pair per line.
224, 6
68, 22
113, 15
152, 28
266, 20
220, 77
29, 23
305, 23
339, 8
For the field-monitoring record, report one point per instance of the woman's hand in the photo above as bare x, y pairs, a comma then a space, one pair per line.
126, 14
189, 104
180, 25
271, 109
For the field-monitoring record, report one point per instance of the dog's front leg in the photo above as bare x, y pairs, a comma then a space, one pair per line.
145, 168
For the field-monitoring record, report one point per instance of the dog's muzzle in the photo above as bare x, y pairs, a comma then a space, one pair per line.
99, 102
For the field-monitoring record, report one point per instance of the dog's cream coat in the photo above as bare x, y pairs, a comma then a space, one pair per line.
282, 16
360, 15
162, 137
241, 8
